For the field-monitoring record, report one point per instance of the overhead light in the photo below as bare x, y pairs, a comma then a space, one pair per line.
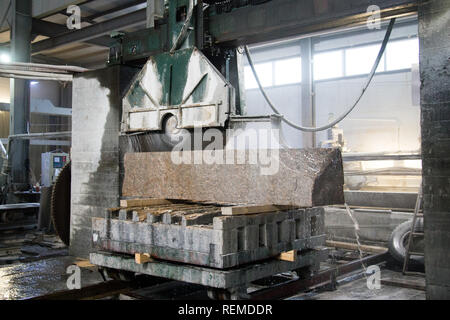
5, 58
33, 83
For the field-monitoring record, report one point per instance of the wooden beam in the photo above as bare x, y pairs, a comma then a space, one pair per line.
143, 202
85, 264
143, 258
405, 283
290, 256
354, 246
236, 211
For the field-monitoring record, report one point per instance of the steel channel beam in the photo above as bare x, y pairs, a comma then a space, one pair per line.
50, 29
131, 20
292, 288
285, 18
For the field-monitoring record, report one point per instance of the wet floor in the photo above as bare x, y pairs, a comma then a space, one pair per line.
39, 265
32, 279
358, 290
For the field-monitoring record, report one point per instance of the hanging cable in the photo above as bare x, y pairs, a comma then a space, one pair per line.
349, 110
183, 33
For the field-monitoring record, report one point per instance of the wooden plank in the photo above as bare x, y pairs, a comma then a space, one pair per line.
139, 216
354, 246
403, 283
143, 202
143, 258
290, 256
236, 211
85, 264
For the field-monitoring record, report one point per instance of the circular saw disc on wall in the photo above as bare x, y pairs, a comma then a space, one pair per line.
60, 204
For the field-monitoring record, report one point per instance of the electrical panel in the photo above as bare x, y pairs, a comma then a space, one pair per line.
51, 166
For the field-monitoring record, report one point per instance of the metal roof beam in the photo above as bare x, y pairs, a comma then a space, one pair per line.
85, 34
115, 9
51, 29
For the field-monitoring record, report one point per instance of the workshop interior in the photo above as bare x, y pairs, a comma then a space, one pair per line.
224, 150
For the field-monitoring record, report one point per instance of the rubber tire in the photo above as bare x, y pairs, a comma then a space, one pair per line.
399, 237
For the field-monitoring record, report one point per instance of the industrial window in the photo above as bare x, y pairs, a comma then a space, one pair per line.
402, 54
265, 75
328, 65
360, 60
288, 71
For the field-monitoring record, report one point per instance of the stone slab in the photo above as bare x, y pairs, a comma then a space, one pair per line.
216, 241
303, 178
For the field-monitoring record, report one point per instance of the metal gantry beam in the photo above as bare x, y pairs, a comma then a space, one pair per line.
286, 18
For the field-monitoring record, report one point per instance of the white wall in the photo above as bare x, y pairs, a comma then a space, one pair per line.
386, 119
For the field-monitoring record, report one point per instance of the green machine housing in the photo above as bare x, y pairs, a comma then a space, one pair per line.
184, 80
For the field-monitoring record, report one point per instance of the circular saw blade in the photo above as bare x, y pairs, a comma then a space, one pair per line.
60, 204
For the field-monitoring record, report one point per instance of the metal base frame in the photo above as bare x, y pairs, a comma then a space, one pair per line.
212, 278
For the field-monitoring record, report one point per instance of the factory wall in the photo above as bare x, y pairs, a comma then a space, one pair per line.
49, 90
387, 119
52, 91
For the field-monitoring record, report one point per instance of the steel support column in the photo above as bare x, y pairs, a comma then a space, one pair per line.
308, 113
20, 94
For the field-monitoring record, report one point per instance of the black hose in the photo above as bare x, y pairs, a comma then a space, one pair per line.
349, 110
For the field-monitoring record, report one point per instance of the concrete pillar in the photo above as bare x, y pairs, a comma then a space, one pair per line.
96, 117
434, 26
20, 94
308, 113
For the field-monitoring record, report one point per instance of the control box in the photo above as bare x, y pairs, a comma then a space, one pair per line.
51, 166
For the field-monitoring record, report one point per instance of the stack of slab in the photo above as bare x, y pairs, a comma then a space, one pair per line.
199, 234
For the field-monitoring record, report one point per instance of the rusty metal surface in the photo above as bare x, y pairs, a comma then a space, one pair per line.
304, 178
